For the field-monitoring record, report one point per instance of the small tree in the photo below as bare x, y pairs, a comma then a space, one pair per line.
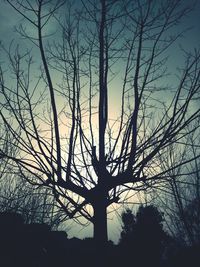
192, 214
128, 226
145, 239
181, 195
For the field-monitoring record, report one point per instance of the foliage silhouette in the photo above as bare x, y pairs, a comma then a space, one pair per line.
35, 245
144, 240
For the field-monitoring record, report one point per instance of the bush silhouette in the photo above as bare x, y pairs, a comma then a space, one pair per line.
22, 244
142, 237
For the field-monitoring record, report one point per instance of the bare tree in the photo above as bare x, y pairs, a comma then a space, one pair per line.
36, 205
5, 146
181, 194
58, 105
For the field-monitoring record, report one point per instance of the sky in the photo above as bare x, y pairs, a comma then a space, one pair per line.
9, 19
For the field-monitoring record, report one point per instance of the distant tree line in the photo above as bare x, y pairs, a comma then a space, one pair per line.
143, 242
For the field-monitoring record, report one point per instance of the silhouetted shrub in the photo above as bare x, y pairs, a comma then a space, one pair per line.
143, 238
26, 244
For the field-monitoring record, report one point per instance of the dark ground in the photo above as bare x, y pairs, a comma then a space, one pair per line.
35, 245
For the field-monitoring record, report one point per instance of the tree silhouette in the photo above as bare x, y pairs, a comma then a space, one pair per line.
187, 228
56, 100
145, 240
35, 205
128, 226
181, 198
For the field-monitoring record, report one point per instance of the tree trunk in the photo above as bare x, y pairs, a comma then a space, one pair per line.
100, 233
100, 223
